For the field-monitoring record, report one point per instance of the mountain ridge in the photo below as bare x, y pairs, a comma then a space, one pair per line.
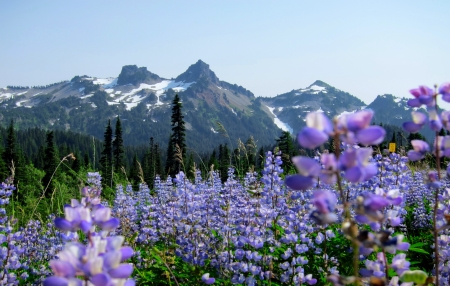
143, 99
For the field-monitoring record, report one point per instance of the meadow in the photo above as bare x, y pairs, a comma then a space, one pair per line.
353, 215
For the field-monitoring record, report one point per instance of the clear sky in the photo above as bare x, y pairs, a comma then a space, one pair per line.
366, 48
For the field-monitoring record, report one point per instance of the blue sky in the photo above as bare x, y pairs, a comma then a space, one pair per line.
269, 47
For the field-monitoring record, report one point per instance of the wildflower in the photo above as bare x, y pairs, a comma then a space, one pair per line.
420, 148
318, 128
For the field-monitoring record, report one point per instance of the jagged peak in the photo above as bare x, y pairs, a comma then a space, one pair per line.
196, 71
319, 83
131, 74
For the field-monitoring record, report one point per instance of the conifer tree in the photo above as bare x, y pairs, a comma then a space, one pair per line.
118, 149
76, 166
3, 166
13, 155
50, 164
177, 139
86, 160
149, 164
213, 161
158, 165
170, 161
286, 146
261, 159
10, 153
250, 147
135, 173
190, 166
106, 160
224, 161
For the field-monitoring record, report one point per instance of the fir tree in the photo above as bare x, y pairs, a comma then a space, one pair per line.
106, 160
250, 146
118, 149
135, 173
86, 160
170, 161
213, 161
76, 166
50, 164
286, 146
261, 159
158, 165
149, 165
177, 139
224, 161
10, 153
3, 166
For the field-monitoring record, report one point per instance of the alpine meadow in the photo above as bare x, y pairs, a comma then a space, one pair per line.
311, 155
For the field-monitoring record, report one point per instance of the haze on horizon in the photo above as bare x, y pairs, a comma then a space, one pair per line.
270, 48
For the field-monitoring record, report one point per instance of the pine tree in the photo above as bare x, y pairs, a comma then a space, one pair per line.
213, 161
118, 149
106, 160
190, 167
76, 166
261, 159
86, 160
177, 139
286, 146
224, 161
149, 164
3, 166
158, 165
250, 146
135, 173
50, 164
170, 161
10, 153
13, 156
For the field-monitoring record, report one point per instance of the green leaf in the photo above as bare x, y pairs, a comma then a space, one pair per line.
418, 250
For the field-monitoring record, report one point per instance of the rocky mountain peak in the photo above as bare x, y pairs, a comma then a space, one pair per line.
320, 84
196, 71
131, 74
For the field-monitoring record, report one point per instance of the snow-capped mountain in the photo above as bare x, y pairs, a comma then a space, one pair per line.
143, 99
289, 109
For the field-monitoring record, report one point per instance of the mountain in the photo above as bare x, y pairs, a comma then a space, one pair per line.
143, 100
216, 112
289, 109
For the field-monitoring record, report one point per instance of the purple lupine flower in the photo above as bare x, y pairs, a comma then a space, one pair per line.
325, 203
420, 149
445, 118
318, 128
399, 263
356, 128
330, 165
308, 170
444, 89
423, 95
418, 120
435, 119
356, 165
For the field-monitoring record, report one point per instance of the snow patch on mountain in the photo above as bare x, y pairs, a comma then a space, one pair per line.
106, 82
131, 100
19, 103
318, 88
87, 96
280, 124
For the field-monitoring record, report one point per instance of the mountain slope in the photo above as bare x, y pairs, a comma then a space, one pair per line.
289, 109
142, 99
